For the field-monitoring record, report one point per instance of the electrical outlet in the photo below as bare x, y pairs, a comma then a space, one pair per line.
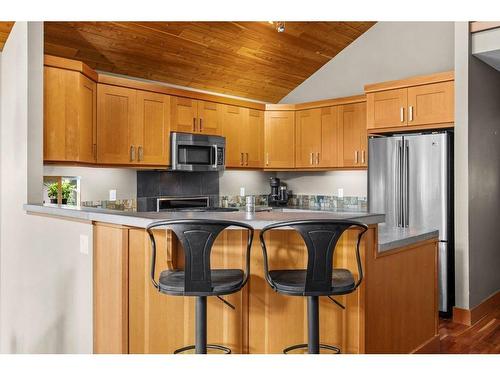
112, 195
242, 191
84, 244
340, 193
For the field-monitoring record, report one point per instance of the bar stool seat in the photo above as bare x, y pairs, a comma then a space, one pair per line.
291, 282
224, 281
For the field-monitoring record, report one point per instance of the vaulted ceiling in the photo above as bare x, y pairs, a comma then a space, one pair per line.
246, 59
5, 28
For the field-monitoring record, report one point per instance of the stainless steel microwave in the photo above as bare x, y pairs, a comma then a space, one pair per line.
197, 152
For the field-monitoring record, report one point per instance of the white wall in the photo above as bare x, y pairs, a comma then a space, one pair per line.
326, 183
95, 183
45, 282
387, 51
461, 160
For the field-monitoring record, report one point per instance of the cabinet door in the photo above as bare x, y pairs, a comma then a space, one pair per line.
232, 128
330, 138
387, 109
87, 121
209, 118
431, 104
279, 139
184, 115
60, 114
352, 120
253, 138
116, 123
307, 138
152, 135
69, 116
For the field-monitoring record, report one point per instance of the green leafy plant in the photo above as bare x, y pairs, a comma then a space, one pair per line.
52, 190
66, 189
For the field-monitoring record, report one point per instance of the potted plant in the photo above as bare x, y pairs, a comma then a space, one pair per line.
66, 191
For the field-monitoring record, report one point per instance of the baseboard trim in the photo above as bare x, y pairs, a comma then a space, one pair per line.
431, 346
471, 317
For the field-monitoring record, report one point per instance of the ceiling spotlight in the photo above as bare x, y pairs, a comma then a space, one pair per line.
280, 27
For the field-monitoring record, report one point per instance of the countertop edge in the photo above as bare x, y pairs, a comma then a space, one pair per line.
410, 240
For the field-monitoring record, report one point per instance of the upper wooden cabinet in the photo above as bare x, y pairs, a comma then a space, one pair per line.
352, 124
152, 131
243, 129
69, 116
196, 116
316, 138
279, 139
420, 102
133, 127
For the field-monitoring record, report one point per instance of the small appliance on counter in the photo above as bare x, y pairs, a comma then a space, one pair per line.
279, 194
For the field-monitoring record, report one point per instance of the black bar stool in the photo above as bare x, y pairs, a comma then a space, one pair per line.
198, 278
320, 278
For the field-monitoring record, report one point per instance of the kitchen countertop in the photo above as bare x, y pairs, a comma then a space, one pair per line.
258, 220
390, 238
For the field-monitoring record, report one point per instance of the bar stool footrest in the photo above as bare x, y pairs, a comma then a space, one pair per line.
302, 346
224, 349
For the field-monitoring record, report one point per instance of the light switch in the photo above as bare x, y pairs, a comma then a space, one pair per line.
112, 195
340, 193
84, 244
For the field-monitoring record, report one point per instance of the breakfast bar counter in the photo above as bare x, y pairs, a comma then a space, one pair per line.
393, 311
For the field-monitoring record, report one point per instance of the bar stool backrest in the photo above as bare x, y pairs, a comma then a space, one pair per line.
320, 237
197, 237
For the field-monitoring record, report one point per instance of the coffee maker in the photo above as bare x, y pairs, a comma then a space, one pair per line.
279, 194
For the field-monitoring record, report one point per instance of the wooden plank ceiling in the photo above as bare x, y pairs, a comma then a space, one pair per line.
246, 59
5, 28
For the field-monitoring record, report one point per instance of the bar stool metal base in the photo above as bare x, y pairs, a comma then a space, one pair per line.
305, 346
223, 349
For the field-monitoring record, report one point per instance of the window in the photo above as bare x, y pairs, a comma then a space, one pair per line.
61, 190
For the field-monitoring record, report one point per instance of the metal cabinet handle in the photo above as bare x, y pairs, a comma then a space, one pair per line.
247, 159
267, 158
410, 113
140, 153
402, 114
241, 158
194, 124
317, 158
363, 157
311, 158
132, 153
356, 159
201, 124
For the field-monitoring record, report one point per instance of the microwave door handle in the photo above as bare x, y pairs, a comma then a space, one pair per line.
216, 161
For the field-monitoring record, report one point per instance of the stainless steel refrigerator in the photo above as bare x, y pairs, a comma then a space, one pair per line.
410, 180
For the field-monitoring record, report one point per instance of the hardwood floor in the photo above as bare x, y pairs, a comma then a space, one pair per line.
481, 338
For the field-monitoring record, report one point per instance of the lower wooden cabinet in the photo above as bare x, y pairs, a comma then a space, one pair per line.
69, 116
395, 309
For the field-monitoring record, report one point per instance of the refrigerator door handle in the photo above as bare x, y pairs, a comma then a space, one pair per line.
398, 190
407, 183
